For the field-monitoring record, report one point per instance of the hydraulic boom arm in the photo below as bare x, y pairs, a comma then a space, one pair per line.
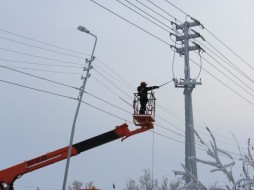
9, 175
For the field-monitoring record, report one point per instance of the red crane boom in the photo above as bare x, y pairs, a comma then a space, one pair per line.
9, 175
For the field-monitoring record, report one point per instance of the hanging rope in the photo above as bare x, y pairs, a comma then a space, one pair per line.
152, 158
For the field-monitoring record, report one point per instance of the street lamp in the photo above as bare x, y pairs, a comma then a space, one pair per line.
81, 92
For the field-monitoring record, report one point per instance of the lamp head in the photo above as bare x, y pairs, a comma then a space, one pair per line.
83, 29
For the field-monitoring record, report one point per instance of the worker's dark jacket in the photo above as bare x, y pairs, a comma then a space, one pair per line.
142, 91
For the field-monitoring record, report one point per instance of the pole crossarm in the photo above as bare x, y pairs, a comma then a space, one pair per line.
190, 48
183, 83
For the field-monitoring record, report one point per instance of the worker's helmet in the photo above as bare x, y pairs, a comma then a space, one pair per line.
143, 84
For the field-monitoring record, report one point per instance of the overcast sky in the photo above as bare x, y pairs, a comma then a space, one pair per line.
41, 38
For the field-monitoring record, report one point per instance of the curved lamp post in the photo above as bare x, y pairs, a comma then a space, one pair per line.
82, 29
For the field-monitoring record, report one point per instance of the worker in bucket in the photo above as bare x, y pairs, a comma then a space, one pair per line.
142, 93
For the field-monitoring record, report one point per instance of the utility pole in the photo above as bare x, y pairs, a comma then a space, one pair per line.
188, 84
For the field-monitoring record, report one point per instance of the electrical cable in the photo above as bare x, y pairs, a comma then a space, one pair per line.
181, 119
13, 51
112, 91
48, 71
41, 48
112, 83
230, 50
40, 64
230, 63
121, 78
148, 15
238, 79
161, 9
225, 84
227, 75
36, 89
41, 42
39, 77
177, 7
132, 23
170, 124
143, 16
120, 81
167, 129
200, 66
107, 102
153, 11
65, 86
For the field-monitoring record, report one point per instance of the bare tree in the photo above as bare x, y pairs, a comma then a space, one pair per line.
131, 185
89, 185
146, 182
76, 185
246, 180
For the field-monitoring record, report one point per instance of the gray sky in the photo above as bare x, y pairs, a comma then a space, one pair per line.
34, 123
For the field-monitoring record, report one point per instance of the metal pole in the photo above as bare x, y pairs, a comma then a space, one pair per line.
188, 84
190, 150
81, 92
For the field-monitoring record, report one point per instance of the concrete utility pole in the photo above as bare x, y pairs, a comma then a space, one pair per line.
188, 84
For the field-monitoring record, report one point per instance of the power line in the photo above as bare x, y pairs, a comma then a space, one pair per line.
36, 89
48, 71
170, 123
107, 102
176, 7
121, 78
112, 83
227, 75
225, 84
120, 81
132, 23
146, 14
41, 42
31, 55
40, 64
63, 85
42, 78
230, 49
112, 91
41, 48
230, 63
